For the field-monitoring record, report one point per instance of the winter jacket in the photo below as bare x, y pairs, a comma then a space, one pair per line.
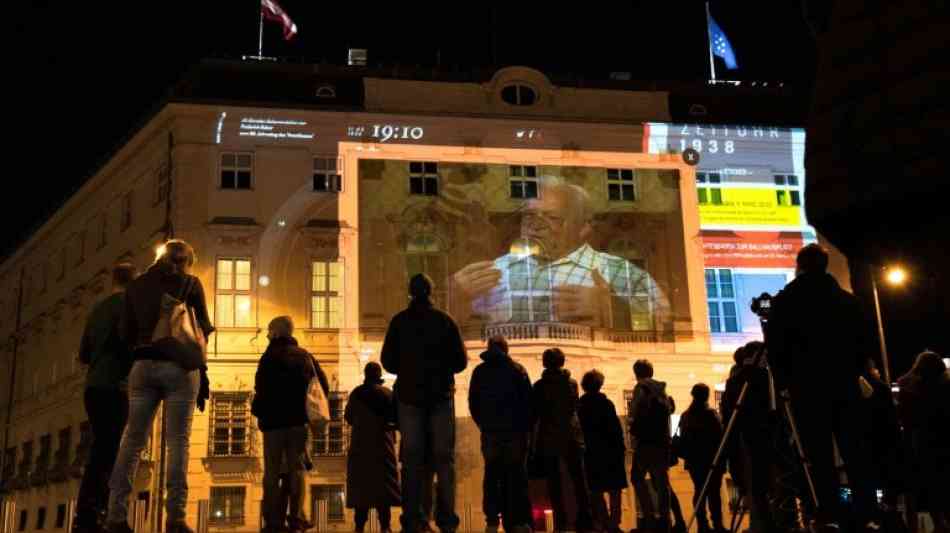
649, 412
280, 385
102, 349
604, 443
817, 337
554, 409
372, 477
924, 409
499, 395
423, 348
700, 433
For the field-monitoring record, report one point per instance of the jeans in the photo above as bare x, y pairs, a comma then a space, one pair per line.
280, 445
430, 427
152, 382
108, 411
361, 515
713, 496
505, 486
655, 461
574, 463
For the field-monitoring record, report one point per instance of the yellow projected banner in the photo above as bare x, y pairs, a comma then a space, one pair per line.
747, 207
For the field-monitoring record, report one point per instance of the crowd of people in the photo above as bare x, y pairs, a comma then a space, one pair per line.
814, 360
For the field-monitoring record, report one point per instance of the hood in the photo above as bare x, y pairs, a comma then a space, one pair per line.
654, 386
556, 373
494, 356
280, 342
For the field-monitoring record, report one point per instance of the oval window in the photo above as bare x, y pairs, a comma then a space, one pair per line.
519, 95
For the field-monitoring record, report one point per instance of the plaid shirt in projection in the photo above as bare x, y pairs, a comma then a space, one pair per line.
525, 291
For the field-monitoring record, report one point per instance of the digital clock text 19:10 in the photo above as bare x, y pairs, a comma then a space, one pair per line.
385, 132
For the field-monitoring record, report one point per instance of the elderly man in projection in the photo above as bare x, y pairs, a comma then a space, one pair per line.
552, 274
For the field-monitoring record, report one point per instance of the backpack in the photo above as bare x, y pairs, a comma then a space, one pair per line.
651, 422
317, 404
176, 334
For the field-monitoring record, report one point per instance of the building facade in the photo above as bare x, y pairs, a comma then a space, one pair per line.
321, 205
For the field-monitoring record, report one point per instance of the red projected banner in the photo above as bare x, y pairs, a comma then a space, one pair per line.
751, 249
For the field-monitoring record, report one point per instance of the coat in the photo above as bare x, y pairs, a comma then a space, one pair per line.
372, 478
605, 450
499, 395
554, 409
700, 433
924, 409
423, 348
280, 385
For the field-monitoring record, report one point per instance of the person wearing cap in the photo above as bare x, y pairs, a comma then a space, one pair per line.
423, 347
372, 478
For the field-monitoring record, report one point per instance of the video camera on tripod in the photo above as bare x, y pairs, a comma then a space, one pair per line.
762, 306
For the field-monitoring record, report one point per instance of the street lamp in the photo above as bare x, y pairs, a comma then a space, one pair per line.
894, 276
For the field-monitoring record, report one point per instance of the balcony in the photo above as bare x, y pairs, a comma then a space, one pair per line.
539, 330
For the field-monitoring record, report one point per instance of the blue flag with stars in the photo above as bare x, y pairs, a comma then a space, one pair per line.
720, 45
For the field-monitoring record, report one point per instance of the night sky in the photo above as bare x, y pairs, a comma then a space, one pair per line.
84, 74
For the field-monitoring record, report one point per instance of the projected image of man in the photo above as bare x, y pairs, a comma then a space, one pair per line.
552, 274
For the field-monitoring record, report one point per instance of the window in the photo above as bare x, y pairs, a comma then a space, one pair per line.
236, 171
162, 182
23, 517
621, 186
333, 439
425, 255
709, 195
227, 506
530, 291
80, 247
230, 425
721, 299
41, 518
125, 220
330, 498
65, 443
232, 303
523, 181
60, 516
326, 178
519, 95
787, 193
631, 287
26, 462
46, 450
326, 294
103, 231
424, 178
9, 465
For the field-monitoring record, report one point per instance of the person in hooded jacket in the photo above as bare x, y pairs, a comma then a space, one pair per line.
423, 347
560, 438
499, 398
649, 412
372, 475
923, 403
283, 376
818, 340
604, 451
700, 433
156, 378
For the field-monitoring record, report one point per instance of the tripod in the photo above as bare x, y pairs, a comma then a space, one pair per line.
789, 417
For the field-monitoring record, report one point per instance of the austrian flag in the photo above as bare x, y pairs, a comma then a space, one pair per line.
272, 11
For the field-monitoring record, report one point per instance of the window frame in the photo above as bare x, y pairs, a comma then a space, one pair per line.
226, 492
233, 292
524, 179
233, 398
322, 445
41, 518
327, 294
722, 303
620, 182
236, 168
425, 176
336, 173
519, 87
328, 489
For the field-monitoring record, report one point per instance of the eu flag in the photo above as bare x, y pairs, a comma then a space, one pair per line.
720, 45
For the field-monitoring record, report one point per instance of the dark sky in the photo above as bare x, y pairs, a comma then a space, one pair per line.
83, 74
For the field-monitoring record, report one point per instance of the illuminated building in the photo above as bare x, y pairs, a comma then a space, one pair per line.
320, 201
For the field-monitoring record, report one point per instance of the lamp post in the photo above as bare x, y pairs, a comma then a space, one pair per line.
895, 276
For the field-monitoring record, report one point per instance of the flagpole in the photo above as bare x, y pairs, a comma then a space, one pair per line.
260, 35
712, 64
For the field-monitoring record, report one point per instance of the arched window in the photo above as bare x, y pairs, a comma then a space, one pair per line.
517, 94
326, 91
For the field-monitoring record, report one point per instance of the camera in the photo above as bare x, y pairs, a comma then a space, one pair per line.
761, 305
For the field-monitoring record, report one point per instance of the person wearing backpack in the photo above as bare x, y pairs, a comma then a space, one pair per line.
281, 383
159, 375
649, 411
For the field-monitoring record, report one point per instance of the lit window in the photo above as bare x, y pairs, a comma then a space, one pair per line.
424, 178
326, 294
233, 294
125, 220
519, 95
721, 300
328, 499
236, 170
227, 506
332, 440
230, 425
621, 186
326, 177
523, 181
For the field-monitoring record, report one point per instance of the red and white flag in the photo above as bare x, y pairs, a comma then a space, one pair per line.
272, 11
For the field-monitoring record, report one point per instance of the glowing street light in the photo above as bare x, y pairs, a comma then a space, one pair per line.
896, 276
